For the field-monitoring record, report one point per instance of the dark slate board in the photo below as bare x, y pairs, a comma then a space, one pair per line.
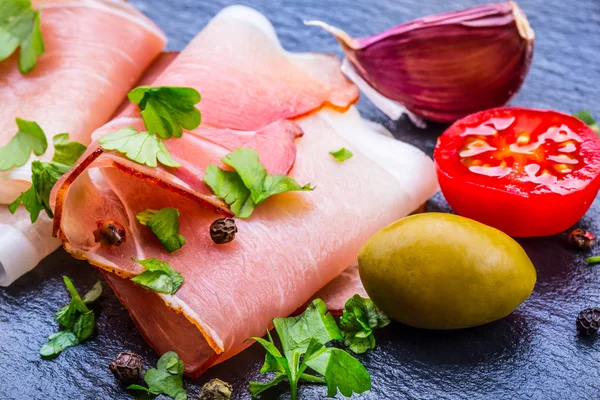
533, 353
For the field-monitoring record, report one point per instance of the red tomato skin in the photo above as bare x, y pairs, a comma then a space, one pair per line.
516, 214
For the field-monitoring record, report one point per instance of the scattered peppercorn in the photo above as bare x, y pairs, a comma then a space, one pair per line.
223, 230
216, 389
109, 233
127, 367
582, 239
588, 321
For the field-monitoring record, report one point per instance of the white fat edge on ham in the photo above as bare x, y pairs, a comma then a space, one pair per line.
23, 244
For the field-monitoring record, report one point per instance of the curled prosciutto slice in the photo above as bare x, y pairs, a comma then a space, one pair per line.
94, 52
294, 243
258, 82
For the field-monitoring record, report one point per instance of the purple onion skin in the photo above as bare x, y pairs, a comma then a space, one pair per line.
447, 66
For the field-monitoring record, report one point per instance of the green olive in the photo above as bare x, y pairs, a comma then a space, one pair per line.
442, 271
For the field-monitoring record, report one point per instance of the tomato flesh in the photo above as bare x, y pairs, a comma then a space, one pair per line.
526, 172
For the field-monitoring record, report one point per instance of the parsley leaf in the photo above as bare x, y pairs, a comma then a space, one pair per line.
57, 342
360, 317
165, 226
68, 314
166, 378
160, 276
30, 137
228, 186
250, 184
167, 109
586, 117
342, 154
77, 319
20, 26
141, 147
340, 369
65, 152
303, 339
93, 294
45, 174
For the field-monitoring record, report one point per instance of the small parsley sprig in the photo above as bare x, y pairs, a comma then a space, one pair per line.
159, 276
20, 27
586, 117
76, 318
360, 317
303, 339
166, 111
342, 154
29, 138
45, 174
249, 184
166, 378
164, 224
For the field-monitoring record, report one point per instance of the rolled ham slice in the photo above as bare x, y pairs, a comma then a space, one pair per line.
293, 244
95, 51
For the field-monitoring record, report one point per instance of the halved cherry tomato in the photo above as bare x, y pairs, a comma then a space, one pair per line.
526, 172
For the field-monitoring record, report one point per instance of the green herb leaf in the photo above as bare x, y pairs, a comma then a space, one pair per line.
360, 317
139, 387
341, 371
67, 315
228, 186
160, 276
315, 323
593, 260
303, 339
167, 109
78, 320
142, 147
84, 326
145, 216
30, 137
165, 226
261, 184
20, 26
256, 388
586, 117
342, 154
166, 378
93, 294
65, 152
44, 176
250, 184
30, 202
57, 342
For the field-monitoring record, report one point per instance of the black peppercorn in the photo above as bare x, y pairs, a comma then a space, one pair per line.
588, 321
582, 239
216, 389
109, 233
223, 230
127, 367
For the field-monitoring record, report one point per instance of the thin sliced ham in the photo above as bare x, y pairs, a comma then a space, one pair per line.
293, 244
248, 55
95, 51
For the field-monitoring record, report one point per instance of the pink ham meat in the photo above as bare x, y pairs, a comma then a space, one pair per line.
95, 51
294, 243
247, 57
337, 292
